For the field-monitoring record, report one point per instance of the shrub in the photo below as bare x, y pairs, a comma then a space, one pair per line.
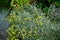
30, 24
52, 12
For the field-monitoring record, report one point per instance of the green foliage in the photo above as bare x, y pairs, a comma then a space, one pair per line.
40, 3
57, 2
4, 3
47, 3
8, 3
30, 24
20, 2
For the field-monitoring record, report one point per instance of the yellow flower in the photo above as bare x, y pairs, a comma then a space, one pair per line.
14, 5
36, 19
14, 12
40, 16
16, 39
23, 23
13, 38
9, 28
35, 31
37, 22
26, 18
23, 31
25, 28
38, 39
18, 32
9, 20
30, 31
35, 27
16, 19
13, 32
41, 23
23, 36
10, 14
47, 17
12, 26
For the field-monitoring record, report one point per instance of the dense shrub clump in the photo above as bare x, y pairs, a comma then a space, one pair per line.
30, 23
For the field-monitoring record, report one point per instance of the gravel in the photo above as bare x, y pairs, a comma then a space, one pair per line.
4, 25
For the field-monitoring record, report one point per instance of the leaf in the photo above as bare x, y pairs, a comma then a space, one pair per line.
12, 2
57, 3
